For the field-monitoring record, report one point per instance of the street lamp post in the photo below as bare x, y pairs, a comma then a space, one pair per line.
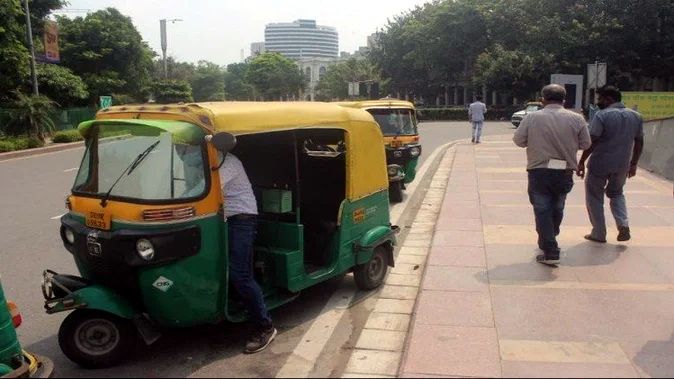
31, 48
162, 30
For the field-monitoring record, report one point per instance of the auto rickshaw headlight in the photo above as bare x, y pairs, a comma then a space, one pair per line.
414, 151
392, 171
70, 236
145, 249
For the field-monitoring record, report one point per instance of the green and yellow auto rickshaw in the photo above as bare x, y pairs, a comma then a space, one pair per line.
14, 361
398, 122
146, 229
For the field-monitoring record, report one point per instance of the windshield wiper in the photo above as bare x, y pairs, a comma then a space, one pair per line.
136, 162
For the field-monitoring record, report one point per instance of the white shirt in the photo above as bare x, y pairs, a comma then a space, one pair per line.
477, 111
236, 188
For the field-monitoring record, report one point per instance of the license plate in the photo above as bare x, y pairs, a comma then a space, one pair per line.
98, 220
396, 144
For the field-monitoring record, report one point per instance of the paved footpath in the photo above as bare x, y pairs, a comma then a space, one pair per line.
472, 302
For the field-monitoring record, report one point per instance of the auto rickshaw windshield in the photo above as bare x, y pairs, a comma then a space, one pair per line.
394, 121
142, 162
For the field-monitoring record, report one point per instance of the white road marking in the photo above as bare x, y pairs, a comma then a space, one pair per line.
301, 362
57, 217
71, 169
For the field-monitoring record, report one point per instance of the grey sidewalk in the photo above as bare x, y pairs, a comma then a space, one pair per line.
485, 308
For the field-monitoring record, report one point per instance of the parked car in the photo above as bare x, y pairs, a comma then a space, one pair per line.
530, 107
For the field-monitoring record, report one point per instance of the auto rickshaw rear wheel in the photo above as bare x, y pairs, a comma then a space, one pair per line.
395, 191
96, 339
371, 275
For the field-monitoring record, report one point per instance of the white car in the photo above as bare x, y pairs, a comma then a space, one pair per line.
530, 108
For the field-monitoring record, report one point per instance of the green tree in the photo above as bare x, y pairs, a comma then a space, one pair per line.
61, 85
273, 76
335, 82
30, 114
236, 86
172, 91
208, 82
14, 61
107, 51
175, 70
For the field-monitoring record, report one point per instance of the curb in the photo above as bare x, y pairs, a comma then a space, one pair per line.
40, 151
381, 348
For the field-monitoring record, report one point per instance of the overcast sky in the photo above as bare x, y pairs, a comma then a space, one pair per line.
217, 30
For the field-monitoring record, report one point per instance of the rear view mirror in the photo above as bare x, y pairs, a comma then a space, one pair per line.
224, 142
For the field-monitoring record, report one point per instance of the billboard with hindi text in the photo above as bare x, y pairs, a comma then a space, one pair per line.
651, 105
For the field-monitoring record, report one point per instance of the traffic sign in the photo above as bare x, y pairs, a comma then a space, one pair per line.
105, 101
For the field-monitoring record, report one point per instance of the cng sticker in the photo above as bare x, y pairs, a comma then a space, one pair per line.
163, 284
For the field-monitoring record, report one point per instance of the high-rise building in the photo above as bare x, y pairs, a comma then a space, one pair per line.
257, 48
302, 39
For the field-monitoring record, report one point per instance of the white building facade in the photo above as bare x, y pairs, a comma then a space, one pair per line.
302, 39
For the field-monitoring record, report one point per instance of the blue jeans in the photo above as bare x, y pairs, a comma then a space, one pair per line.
547, 193
595, 187
241, 238
477, 130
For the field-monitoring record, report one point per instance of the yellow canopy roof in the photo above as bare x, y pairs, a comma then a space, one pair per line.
366, 160
368, 104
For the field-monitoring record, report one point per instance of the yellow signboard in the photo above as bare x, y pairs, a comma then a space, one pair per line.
51, 42
651, 105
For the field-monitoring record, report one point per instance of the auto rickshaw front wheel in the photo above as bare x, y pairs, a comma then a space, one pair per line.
371, 275
95, 339
395, 191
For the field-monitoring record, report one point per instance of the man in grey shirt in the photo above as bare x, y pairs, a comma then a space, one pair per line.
552, 137
476, 113
617, 141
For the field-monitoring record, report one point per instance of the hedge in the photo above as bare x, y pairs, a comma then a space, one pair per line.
67, 136
13, 144
502, 113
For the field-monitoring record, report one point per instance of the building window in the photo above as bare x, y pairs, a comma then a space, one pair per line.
307, 73
321, 72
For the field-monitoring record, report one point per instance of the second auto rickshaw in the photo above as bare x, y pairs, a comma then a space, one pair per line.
398, 122
145, 221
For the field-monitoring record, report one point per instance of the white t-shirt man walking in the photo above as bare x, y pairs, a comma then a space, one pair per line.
476, 113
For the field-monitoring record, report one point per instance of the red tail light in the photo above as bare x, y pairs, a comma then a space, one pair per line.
167, 214
14, 311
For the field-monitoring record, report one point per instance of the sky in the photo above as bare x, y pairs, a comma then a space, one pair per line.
217, 30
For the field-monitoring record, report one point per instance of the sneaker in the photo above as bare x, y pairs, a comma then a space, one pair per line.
477, 142
261, 339
472, 140
549, 260
590, 238
624, 233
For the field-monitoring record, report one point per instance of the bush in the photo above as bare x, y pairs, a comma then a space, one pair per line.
13, 144
67, 136
6, 146
34, 142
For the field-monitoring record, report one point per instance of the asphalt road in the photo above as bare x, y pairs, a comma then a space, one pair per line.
32, 197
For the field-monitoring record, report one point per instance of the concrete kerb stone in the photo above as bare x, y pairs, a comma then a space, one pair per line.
40, 150
379, 349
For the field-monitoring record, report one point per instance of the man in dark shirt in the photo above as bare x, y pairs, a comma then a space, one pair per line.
617, 141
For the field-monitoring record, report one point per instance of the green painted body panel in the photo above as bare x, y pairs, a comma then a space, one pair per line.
10, 349
411, 170
374, 237
199, 283
103, 299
